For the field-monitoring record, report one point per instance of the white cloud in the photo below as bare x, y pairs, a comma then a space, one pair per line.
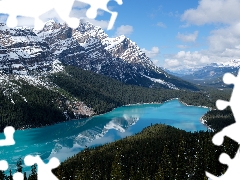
103, 24
171, 63
161, 24
213, 11
156, 62
223, 42
124, 30
188, 37
181, 46
186, 59
151, 53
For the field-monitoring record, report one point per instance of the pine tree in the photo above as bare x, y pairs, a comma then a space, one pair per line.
25, 176
116, 172
167, 163
19, 165
199, 167
160, 174
10, 175
181, 170
2, 175
33, 175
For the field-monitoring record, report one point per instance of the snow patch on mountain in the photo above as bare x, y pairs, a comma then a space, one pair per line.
232, 63
170, 85
57, 66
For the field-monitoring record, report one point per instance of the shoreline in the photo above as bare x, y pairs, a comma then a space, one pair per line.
95, 115
203, 122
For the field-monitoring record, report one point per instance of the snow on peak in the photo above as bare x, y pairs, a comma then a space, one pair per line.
50, 22
231, 63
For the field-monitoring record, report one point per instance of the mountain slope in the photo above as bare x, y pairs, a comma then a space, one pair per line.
22, 51
74, 93
90, 48
25, 51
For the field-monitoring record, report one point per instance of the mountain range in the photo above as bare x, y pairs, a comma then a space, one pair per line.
210, 75
24, 51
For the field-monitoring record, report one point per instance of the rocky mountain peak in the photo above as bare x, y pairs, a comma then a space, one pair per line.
87, 47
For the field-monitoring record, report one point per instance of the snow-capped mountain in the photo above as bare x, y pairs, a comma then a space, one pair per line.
212, 74
232, 63
215, 70
90, 48
24, 50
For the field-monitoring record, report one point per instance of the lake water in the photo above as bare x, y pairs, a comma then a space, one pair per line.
66, 139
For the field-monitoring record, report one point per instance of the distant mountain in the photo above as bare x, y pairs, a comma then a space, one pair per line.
210, 75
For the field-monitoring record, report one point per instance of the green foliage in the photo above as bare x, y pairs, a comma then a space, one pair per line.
104, 94
40, 109
158, 152
217, 120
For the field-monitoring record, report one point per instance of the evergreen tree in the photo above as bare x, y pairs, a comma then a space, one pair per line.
167, 163
160, 174
33, 175
10, 177
199, 166
181, 170
2, 175
116, 172
25, 176
19, 165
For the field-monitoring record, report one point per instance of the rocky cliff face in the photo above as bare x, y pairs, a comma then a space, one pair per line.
25, 51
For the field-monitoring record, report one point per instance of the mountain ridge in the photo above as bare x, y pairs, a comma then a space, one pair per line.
88, 47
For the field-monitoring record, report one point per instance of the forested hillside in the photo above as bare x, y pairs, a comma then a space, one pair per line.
158, 152
39, 108
35, 106
104, 93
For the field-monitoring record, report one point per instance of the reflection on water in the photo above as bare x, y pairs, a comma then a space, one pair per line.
66, 139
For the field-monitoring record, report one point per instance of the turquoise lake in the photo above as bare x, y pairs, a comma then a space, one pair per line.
66, 139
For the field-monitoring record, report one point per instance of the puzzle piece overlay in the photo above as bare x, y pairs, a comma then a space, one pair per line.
44, 170
8, 141
231, 131
36, 8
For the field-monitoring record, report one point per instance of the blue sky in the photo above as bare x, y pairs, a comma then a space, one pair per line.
174, 34
182, 34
